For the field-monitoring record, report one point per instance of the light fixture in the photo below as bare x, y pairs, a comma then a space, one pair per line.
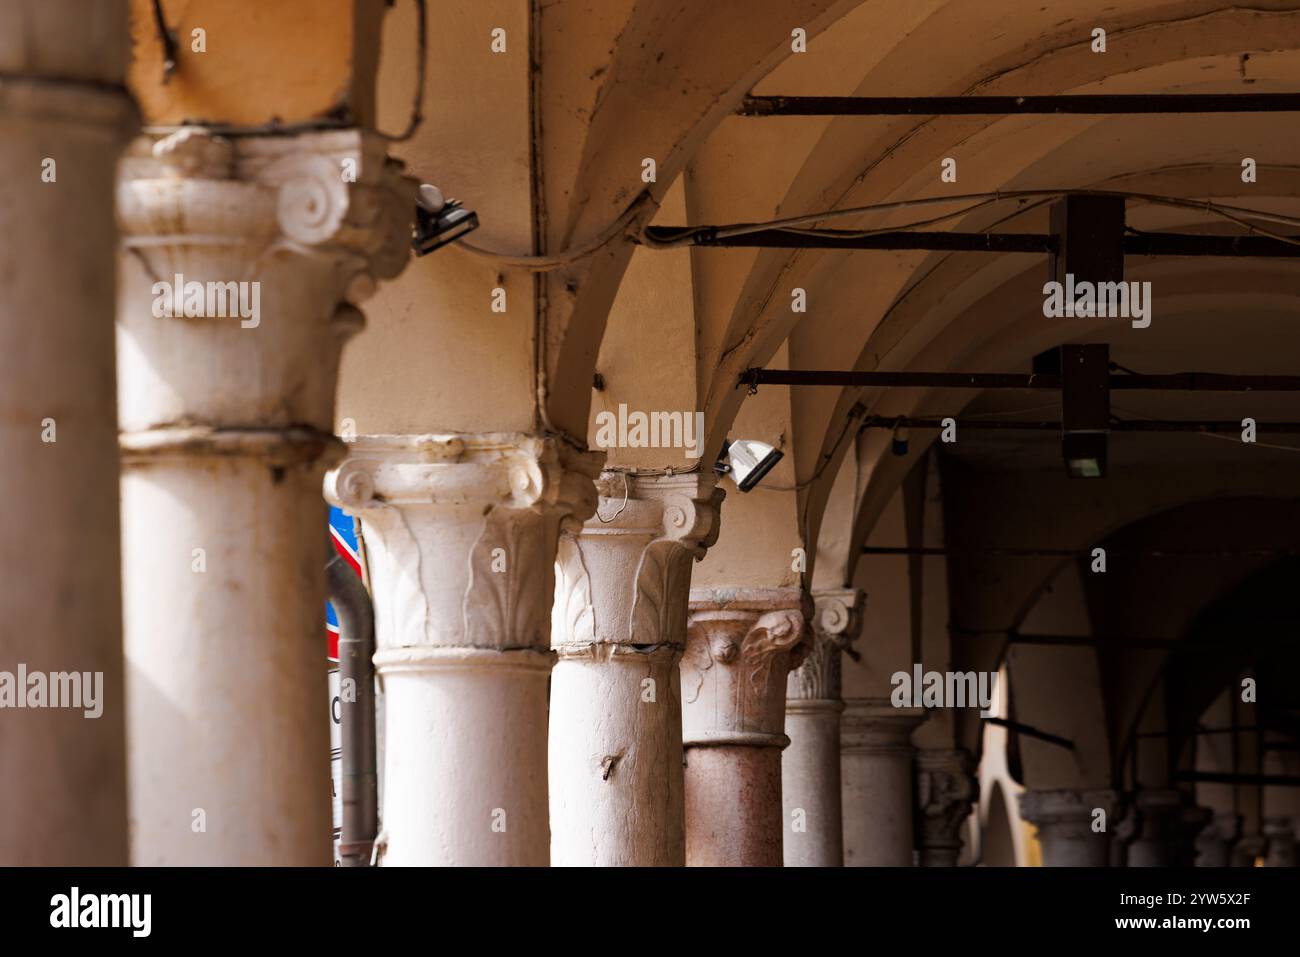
746, 461
899, 443
1084, 454
439, 221
1085, 408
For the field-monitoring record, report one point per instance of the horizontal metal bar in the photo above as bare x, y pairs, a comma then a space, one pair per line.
850, 239
896, 380
1089, 641
1147, 425
1142, 425
939, 550
1191, 244
1174, 646
1032, 732
1077, 103
1167, 382
1216, 777
1199, 732
1144, 244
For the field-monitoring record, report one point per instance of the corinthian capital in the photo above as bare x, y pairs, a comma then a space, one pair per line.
945, 789
624, 576
244, 257
837, 621
740, 644
461, 530
194, 198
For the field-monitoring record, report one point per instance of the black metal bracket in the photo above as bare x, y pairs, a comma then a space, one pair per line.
1089, 104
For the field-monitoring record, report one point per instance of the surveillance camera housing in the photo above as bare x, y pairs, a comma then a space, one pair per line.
435, 228
747, 461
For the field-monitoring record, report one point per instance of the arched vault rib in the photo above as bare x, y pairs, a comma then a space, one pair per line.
853, 162
951, 304
620, 83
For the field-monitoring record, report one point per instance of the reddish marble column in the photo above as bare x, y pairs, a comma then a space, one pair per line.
740, 646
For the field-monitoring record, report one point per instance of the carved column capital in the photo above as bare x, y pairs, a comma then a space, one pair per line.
740, 642
244, 259
625, 574
946, 787
837, 620
618, 627
193, 195
461, 530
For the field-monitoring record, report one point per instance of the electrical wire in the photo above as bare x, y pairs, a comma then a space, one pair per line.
565, 257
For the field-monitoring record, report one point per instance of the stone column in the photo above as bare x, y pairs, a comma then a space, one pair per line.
876, 767
63, 119
945, 789
244, 258
810, 766
1246, 851
461, 533
739, 648
1066, 820
619, 630
1159, 827
1280, 842
1215, 842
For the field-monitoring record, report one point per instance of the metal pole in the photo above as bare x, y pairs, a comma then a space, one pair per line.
1077, 103
1145, 425
1168, 382
1146, 244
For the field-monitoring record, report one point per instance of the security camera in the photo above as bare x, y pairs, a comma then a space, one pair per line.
746, 461
439, 221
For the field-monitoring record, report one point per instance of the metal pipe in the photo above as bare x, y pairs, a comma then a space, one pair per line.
1077, 103
1145, 425
1165, 382
1043, 552
359, 779
1214, 777
1144, 244
1032, 732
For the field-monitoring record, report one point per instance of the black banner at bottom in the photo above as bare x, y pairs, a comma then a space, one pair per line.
920, 906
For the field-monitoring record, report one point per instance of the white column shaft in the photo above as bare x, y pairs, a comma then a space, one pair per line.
242, 260
619, 628
461, 534
62, 774
810, 767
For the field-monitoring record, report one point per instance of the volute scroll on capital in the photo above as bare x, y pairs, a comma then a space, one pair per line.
333, 194
740, 645
836, 623
507, 470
